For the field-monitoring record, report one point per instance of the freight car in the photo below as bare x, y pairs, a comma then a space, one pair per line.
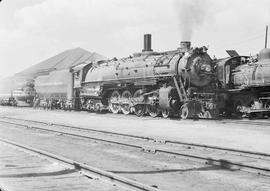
172, 82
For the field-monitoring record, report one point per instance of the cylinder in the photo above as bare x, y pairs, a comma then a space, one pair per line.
147, 43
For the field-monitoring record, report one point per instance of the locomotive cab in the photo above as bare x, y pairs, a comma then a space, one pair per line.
225, 69
78, 74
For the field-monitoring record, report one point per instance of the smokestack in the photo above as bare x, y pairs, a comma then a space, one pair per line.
147, 43
185, 46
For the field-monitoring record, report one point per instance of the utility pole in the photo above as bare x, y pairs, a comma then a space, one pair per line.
266, 34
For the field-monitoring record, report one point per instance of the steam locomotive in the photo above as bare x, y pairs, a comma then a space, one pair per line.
169, 83
245, 82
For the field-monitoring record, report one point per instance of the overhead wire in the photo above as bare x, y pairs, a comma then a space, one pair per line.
246, 41
252, 34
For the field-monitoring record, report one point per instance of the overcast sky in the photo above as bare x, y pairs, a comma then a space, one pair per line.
34, 30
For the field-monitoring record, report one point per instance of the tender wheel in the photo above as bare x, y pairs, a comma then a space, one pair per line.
97, 107
238, 108
126, 107
267, 106
256, 104
184, 111
114, 102
89, 106
165, 113
153, 110
139, 109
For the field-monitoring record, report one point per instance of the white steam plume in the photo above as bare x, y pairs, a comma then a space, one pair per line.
192, 14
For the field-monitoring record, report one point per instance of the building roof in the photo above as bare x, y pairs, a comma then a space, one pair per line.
64, 60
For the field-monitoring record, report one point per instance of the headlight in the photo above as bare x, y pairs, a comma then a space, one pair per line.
208, 68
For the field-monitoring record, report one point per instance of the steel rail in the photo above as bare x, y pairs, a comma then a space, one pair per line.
80, 128
250, 122
85, 169
2, 189
261, 154
218, 162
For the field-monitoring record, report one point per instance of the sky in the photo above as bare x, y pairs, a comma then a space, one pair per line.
34, 30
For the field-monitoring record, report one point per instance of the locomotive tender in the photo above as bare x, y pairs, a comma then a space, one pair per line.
169, 82
55, 89
61, 88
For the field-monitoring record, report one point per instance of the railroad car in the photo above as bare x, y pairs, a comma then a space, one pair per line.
172, 82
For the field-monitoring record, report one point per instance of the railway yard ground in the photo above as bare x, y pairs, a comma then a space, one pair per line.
61, 150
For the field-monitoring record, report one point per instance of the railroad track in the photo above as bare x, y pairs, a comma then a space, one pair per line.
246, 122
233, 159
87, 170
243, 121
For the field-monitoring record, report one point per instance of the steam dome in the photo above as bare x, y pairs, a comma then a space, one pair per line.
264, 54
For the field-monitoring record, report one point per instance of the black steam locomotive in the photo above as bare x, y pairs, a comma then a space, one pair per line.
166, 83
244, 84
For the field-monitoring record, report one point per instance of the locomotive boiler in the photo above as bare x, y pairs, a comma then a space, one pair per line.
255, 73
150, 82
